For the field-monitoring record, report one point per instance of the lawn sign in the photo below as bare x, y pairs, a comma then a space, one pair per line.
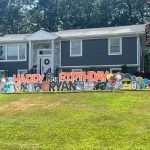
73, 81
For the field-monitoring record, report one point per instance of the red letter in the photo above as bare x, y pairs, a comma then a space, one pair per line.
86, 77
16, 79
92, 76
62, 77
102, 76
74, 76
22, 80
29, 78
41, 77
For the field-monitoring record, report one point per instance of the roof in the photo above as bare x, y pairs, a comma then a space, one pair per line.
78, 33
13, 38
41, 35
101, 32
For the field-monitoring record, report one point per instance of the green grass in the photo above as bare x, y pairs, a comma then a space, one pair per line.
75, 121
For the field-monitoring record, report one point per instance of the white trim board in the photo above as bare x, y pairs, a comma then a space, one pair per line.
42, 56
100, 66
30, 55
138, 52
114, 69
60, 53
76, 70
98, 38
25, 70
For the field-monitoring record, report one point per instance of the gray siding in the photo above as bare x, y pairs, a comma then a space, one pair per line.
95, 52
13, 67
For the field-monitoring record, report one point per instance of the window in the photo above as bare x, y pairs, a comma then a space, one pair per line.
22, 71
13, 52
22, 52
115, 46
76, 70
115, 70
2, 53
75, 48
43, 45
45, 52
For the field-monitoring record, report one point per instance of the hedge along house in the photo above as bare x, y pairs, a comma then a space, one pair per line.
74, 50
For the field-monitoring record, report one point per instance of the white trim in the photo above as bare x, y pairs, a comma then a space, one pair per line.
100, 36
38, 62
41, 35
138, 53
100, 66
76, 70
6, 54
109, 46
26, 52
30, 55
53, 58
40, 57
12, 61
114, 69
80, 55
18, 52
17, 44
22, 70
2, 70
60, 53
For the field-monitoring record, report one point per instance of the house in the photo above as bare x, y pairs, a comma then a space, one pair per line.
74, 50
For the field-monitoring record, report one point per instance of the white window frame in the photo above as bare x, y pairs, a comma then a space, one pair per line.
114, 69
79, 55
18, 45
3, 71
6, 53
76, 70
109, 46
38, 52
25, 70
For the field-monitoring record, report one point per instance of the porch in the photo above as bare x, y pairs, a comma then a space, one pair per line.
44, 52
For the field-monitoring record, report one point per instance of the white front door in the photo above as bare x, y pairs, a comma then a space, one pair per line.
45, 64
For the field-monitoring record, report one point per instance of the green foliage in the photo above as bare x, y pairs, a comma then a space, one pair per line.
53, 15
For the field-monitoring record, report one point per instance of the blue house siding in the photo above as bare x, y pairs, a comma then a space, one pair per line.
131, 70
95, 52
13, 67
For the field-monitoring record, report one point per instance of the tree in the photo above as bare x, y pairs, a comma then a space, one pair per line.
30, 15
48, 11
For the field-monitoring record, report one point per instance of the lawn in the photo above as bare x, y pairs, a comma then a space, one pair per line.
75, 121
